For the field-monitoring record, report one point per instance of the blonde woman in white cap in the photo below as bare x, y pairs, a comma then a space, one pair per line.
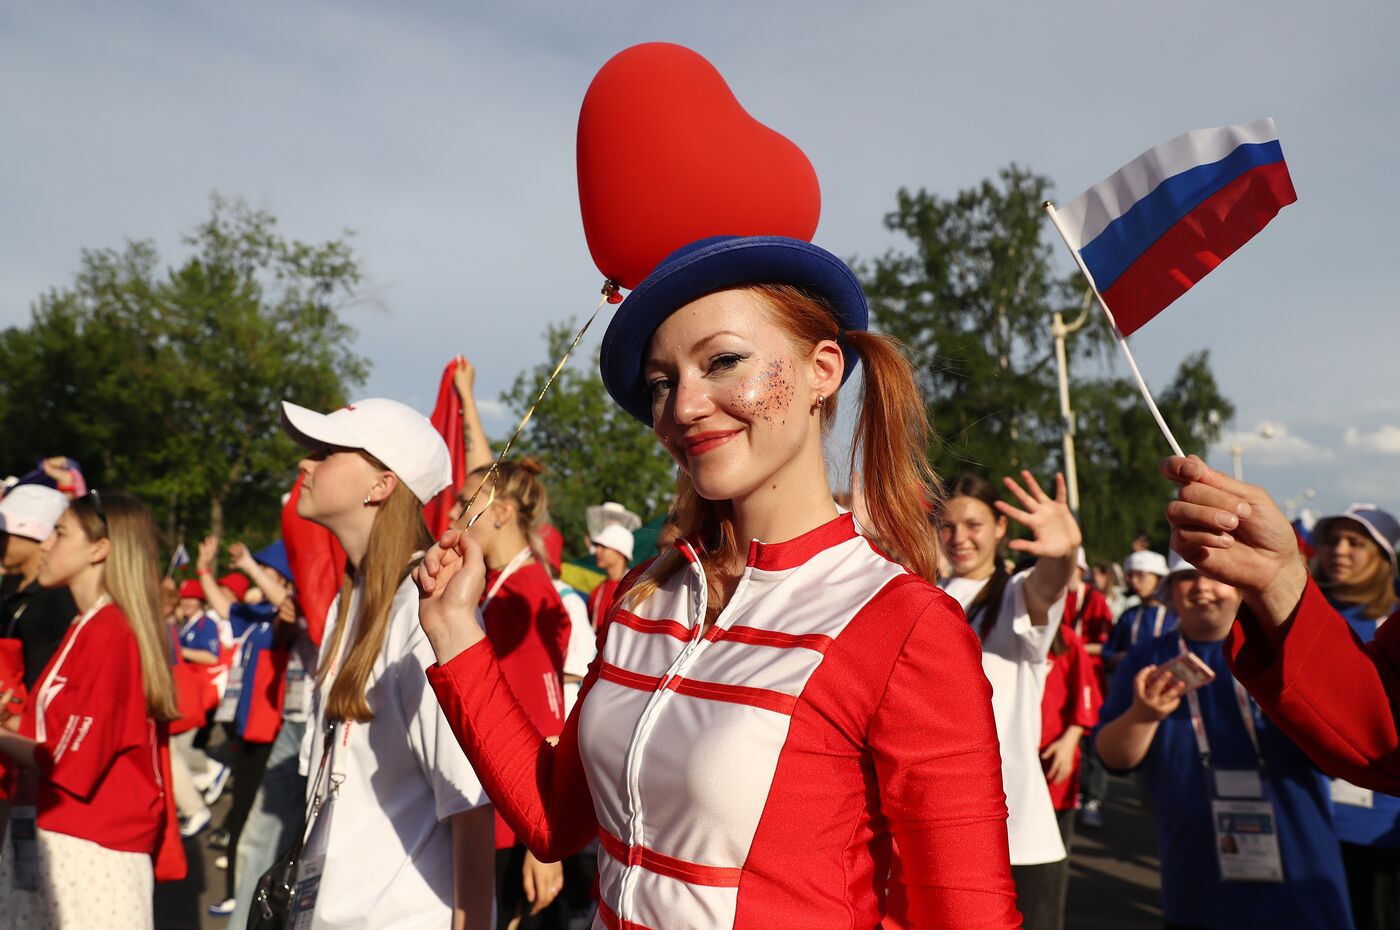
612, 550
1354, 565
403, 833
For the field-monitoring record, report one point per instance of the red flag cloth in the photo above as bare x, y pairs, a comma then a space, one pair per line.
318, 564
269, 689
447, 419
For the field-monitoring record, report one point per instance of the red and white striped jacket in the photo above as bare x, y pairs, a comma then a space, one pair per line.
755, 775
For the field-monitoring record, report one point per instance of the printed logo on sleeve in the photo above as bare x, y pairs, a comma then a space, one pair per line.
74, 732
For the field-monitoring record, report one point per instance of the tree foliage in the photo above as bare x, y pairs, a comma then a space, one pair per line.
972, 297
168, 382
592, 449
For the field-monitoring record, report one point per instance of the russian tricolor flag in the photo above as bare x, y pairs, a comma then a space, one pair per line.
1163, 221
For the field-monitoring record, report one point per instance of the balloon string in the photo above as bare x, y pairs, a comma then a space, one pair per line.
609, 296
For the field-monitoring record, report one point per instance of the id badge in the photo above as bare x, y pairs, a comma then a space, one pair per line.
1237, 783
1246, 841
24, 843
228, 704
296, 692
1344, 792
309, 869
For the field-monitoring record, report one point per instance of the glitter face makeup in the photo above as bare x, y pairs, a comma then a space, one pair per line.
767, 395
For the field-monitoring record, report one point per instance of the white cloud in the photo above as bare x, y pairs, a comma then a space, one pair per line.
1384, 439
493, 409
1271, 443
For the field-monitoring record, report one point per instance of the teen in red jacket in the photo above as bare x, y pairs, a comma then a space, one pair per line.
529, 632
1069, 710
775, 703
94, 732
1291, 649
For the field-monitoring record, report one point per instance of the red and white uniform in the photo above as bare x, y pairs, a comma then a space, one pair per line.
755, 775
1071, 698
528, 627
98, 746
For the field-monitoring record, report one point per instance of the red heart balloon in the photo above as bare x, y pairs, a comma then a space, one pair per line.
666, 155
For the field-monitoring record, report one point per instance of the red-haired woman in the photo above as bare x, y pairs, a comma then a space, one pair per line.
774, 702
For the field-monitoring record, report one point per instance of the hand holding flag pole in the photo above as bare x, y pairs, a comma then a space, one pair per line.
1149, 232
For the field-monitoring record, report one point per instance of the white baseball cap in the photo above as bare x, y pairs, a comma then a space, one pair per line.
1147, 561
615, 537
396, 434
1379, 525
31, 510
1178, 565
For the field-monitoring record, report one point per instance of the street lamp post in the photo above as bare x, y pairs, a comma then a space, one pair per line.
1266, 431
1059, 330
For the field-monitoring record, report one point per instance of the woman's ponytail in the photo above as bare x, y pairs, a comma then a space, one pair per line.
892, 436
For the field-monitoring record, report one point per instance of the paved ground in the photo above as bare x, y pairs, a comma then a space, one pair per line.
1113, 875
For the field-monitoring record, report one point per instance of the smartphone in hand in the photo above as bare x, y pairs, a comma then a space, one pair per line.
1191, 670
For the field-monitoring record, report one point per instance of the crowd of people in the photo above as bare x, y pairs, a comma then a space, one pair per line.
789, 712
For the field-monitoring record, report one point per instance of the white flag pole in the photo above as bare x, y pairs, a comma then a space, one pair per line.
1117, 333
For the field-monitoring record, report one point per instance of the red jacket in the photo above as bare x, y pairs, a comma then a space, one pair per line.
528, 629
1335, 697
1071, 697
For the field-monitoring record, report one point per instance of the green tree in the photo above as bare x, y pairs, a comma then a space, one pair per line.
972, 300
593, 450
168, 382
1118, 448
972, 296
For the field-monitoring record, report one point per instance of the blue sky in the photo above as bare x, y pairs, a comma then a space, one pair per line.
444, 135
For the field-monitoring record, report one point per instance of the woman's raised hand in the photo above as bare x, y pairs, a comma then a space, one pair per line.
1055, 531
1234, 533
451, 579
208, 553
463, 377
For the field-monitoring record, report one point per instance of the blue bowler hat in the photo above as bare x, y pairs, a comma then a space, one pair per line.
713, 264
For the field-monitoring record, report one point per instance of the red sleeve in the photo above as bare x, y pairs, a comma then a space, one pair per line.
1098, 618
540, 790
98, 712
1335, 697
934, 744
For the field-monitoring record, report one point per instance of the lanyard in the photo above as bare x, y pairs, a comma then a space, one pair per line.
190, 624
513, 566
1156, 624
1246, 707
47, 691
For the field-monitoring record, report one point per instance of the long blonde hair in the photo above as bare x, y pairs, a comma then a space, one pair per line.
131, 577
892, 435
397, 535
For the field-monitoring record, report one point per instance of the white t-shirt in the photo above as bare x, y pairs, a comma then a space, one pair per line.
583, 644
1013, 659
389, 849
